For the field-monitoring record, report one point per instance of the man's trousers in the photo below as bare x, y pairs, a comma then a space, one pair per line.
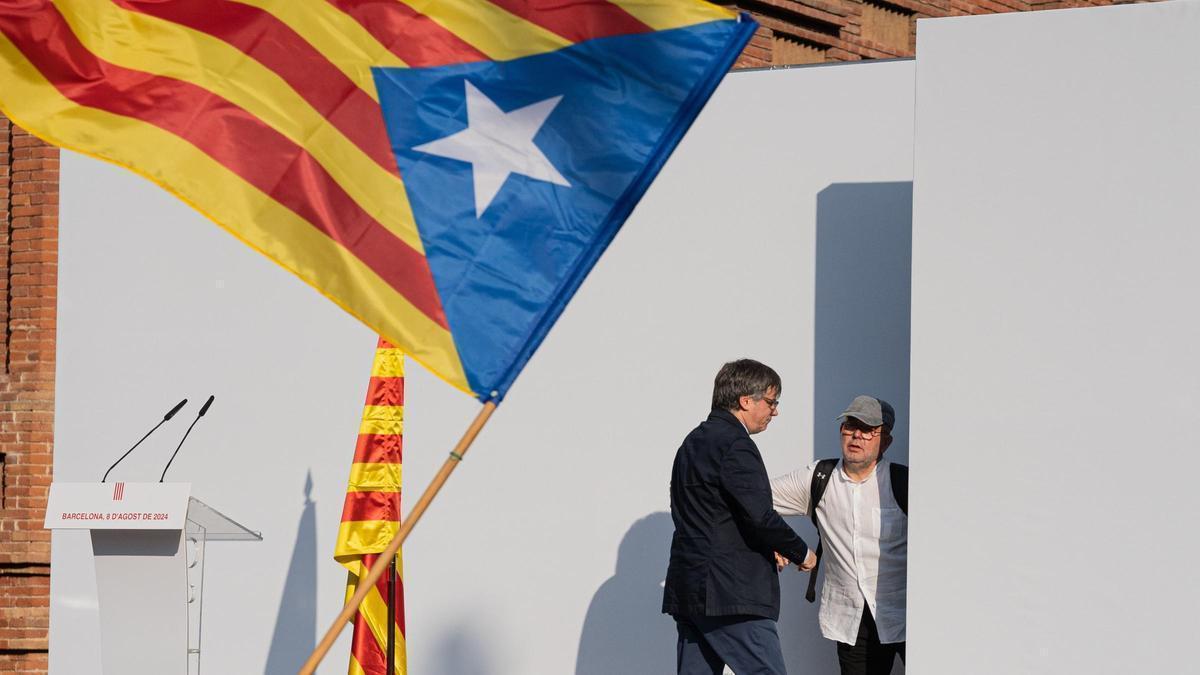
747, 644
867, 656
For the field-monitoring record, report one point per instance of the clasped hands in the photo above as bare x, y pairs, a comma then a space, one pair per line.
810, 561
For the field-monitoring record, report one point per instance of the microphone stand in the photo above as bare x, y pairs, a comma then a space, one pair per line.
165, 418
203, 410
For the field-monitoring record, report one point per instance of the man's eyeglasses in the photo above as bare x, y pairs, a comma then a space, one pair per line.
772, 403
848, 429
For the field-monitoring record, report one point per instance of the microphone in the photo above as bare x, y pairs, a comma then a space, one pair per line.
203, 409
165, 418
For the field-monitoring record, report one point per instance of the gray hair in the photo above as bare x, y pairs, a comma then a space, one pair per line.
744, 377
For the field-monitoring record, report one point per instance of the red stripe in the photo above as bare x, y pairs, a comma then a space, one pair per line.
412, 36
274, 44
366, 649
379, 449
578, 20
384, 344
386, 391
371, 506
230, 135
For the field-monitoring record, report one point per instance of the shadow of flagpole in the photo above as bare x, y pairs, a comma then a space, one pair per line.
296, 623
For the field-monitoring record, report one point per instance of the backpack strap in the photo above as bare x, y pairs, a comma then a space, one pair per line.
900, 485
816, 489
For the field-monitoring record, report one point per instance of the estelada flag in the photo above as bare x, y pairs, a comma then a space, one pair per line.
371, 516
448, 172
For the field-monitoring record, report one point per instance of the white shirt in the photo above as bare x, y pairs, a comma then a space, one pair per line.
865, 558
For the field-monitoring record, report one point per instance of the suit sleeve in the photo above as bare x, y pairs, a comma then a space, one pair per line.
790, 492
744, 481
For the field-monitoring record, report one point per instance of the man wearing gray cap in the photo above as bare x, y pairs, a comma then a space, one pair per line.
859, 504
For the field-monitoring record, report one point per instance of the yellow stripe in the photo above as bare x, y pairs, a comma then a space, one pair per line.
148, 44
358, 537
238, 207
355, 667
388, 363
668, 14
382, 419
490, 29
371, 477
383, 413
335, 34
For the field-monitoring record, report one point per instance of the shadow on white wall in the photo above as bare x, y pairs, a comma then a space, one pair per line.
862, 325
624, 630
295, 633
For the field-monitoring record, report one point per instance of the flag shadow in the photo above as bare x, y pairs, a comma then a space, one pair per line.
295, 633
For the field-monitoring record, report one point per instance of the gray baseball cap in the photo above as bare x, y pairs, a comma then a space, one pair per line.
872, 411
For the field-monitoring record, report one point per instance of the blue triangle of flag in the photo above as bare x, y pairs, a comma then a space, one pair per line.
521, 172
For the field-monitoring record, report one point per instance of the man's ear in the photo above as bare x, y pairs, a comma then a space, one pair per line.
744, 402
887, 441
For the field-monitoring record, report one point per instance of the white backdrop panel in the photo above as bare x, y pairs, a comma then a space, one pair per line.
545, 552
1055, 372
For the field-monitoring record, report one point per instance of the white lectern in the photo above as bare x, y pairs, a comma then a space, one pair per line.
148, 540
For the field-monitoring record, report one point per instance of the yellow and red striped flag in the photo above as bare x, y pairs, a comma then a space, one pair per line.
447, 171
371, 514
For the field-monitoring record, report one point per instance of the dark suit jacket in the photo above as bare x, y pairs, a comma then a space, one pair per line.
726, 530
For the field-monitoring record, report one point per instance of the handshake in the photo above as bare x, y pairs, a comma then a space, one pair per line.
810, 561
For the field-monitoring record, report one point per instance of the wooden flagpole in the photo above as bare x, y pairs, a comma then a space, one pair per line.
381, 563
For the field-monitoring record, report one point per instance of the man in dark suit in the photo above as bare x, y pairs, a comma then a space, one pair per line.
722, 583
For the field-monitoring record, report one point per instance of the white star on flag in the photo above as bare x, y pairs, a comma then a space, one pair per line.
498, 144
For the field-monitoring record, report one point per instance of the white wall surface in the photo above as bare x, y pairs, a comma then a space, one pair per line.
546, 550
1055, 374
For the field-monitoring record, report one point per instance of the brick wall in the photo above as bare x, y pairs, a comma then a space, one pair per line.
813, 31
28, 277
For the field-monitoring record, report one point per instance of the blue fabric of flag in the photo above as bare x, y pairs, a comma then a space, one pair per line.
505, 270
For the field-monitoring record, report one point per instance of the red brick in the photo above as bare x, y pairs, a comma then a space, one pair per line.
29, 173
